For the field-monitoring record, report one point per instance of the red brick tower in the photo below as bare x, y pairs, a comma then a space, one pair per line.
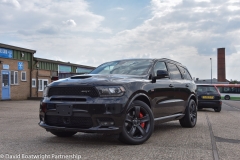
221, 65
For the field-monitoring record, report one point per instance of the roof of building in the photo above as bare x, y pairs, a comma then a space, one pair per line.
17, 48
63, 63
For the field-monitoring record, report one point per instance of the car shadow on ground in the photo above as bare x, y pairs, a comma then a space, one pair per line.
206, 110
105, 139
84, 139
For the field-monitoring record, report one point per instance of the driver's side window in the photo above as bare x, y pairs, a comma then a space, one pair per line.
159, 66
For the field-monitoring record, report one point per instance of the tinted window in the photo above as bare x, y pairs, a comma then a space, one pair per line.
204, 89
185, 73
129, 67
159, 66
174, 72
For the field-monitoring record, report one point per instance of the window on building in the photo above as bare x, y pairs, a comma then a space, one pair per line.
34, 83
42, 83
23, 76
14, 77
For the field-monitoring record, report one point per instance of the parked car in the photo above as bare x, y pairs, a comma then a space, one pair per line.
209, 97
122, 97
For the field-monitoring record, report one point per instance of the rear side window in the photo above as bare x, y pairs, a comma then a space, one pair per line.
185, 73
174, 71
206, 89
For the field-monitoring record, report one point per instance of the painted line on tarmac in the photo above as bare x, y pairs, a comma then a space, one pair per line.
232, 106
213, 141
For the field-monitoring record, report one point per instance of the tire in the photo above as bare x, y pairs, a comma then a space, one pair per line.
138, 124
227, 97
190, 118
218, 109
62, 133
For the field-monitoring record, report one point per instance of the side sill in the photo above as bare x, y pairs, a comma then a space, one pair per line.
169, 117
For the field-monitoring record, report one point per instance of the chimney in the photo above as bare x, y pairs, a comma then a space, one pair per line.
221, 65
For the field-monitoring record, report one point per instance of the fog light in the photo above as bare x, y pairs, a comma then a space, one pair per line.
106, 123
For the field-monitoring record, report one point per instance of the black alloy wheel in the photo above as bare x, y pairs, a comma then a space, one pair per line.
138, 125
190, 118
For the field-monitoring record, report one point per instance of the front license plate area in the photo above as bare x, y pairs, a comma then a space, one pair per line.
207, 97
64, 110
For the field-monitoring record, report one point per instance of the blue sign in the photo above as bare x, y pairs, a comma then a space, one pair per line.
5, 66
20, 66
6, 53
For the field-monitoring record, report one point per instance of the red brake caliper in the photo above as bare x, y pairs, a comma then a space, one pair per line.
142, 124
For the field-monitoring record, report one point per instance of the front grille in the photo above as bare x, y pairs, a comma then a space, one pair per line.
91, 108
73, 91
70, 122
69, 99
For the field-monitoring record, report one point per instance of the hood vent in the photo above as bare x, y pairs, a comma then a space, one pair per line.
80, 77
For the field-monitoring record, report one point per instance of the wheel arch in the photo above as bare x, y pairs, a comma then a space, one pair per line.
193, 97
142, 97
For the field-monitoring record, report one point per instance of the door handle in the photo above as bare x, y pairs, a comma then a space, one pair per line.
171, 85
187, 85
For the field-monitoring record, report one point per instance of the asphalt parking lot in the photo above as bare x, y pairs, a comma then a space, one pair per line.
216, 136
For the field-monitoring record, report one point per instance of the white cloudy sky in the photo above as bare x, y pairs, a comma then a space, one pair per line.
91, 32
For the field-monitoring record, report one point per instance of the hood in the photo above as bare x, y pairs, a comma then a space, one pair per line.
99, 79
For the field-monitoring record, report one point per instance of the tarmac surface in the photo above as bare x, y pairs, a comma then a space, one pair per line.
216, 136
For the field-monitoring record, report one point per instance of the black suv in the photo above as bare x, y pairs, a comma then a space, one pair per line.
122, 97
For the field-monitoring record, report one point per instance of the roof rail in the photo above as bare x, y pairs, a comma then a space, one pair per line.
171, 60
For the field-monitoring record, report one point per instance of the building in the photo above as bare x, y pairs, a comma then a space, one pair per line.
24, 76
45, 71
15, 67
209, 81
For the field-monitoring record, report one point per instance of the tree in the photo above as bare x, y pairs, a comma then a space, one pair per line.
233, 82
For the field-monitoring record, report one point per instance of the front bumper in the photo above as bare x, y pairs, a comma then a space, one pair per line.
100, 115
97, 129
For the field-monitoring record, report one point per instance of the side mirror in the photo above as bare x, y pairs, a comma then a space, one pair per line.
160, 74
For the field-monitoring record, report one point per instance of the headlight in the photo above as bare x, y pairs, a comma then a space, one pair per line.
45, 92
106, 91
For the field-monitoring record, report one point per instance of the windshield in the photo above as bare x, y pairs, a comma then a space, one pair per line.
129, 67
205, 89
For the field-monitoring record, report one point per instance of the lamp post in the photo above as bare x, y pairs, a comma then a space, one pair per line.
211, 69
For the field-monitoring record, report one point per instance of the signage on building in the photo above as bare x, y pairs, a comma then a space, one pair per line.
64, 69
20, 65
6, 53
5, 66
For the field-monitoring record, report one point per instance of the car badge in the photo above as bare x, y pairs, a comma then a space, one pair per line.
85, 91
